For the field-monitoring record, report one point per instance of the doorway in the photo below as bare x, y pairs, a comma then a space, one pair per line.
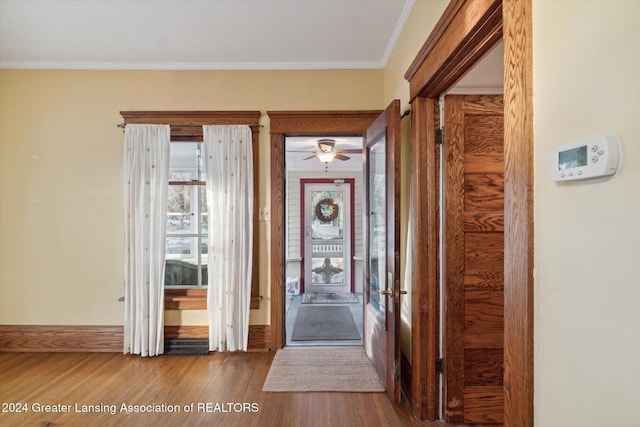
464, 33
297, 123
323, 244
382, 128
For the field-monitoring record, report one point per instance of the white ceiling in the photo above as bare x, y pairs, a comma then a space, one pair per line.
199, 34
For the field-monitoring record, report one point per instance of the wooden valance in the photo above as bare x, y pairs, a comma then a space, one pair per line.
187, 125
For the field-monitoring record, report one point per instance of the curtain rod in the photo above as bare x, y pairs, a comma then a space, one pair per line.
122, 126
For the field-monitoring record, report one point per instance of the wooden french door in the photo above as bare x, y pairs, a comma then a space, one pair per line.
382, 247
474, 259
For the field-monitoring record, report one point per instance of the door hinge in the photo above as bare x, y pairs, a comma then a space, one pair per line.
440, 366
440, 136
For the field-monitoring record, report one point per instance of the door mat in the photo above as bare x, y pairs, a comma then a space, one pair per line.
324, 323
329, 298
341, 369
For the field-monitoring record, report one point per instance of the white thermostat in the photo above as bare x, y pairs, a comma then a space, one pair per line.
594, 157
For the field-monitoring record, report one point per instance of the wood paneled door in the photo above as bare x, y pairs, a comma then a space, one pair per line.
473, 258
382, 247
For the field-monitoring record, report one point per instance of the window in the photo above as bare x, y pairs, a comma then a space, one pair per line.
186, 230
186, 248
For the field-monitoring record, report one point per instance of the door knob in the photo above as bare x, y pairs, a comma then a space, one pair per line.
387, 292
403, 291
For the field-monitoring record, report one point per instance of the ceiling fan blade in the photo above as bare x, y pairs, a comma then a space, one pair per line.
342, 157
350, 150
310, 157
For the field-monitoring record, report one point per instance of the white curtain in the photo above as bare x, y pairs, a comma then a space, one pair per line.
229, 176
146, 176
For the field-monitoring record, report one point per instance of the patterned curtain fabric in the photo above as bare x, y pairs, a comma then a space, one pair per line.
229, 175
146, 175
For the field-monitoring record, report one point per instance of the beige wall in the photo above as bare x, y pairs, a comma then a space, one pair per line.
423, 18
587, 237
421, 21
61, 184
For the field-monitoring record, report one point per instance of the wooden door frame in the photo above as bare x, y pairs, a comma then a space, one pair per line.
297, 123
466, 31
352, 234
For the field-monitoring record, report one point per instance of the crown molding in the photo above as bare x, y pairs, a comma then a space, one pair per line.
193, 66
397, 31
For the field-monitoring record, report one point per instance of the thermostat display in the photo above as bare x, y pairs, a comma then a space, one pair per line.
591, 158
572, 158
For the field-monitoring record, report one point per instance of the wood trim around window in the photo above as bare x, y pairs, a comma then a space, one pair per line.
187, 126
467, 30
185, 299
296, 123
192, 118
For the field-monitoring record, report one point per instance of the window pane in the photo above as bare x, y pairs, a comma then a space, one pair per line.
184, 266
180, 273
182, 248
179, 204
180, 176
185, 163
377, 225
181, 265
204, 248
204, 225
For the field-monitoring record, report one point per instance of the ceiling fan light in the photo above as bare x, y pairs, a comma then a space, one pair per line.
326, 145
326, 157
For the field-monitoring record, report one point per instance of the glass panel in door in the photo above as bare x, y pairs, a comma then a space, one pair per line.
377, 223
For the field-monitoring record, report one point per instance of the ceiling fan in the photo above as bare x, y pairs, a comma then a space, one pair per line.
328, 152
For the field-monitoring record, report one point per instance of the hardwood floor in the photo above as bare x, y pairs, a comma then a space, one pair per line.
224, 388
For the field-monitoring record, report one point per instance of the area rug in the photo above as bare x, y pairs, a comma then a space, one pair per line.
324, 323
329, 298
342, 369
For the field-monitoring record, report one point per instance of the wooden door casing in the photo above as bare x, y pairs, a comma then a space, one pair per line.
466, 30
474, 259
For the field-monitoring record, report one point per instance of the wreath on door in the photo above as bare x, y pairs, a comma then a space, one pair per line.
327, 210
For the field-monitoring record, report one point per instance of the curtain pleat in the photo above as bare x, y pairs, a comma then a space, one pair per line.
146, 175
229, 176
